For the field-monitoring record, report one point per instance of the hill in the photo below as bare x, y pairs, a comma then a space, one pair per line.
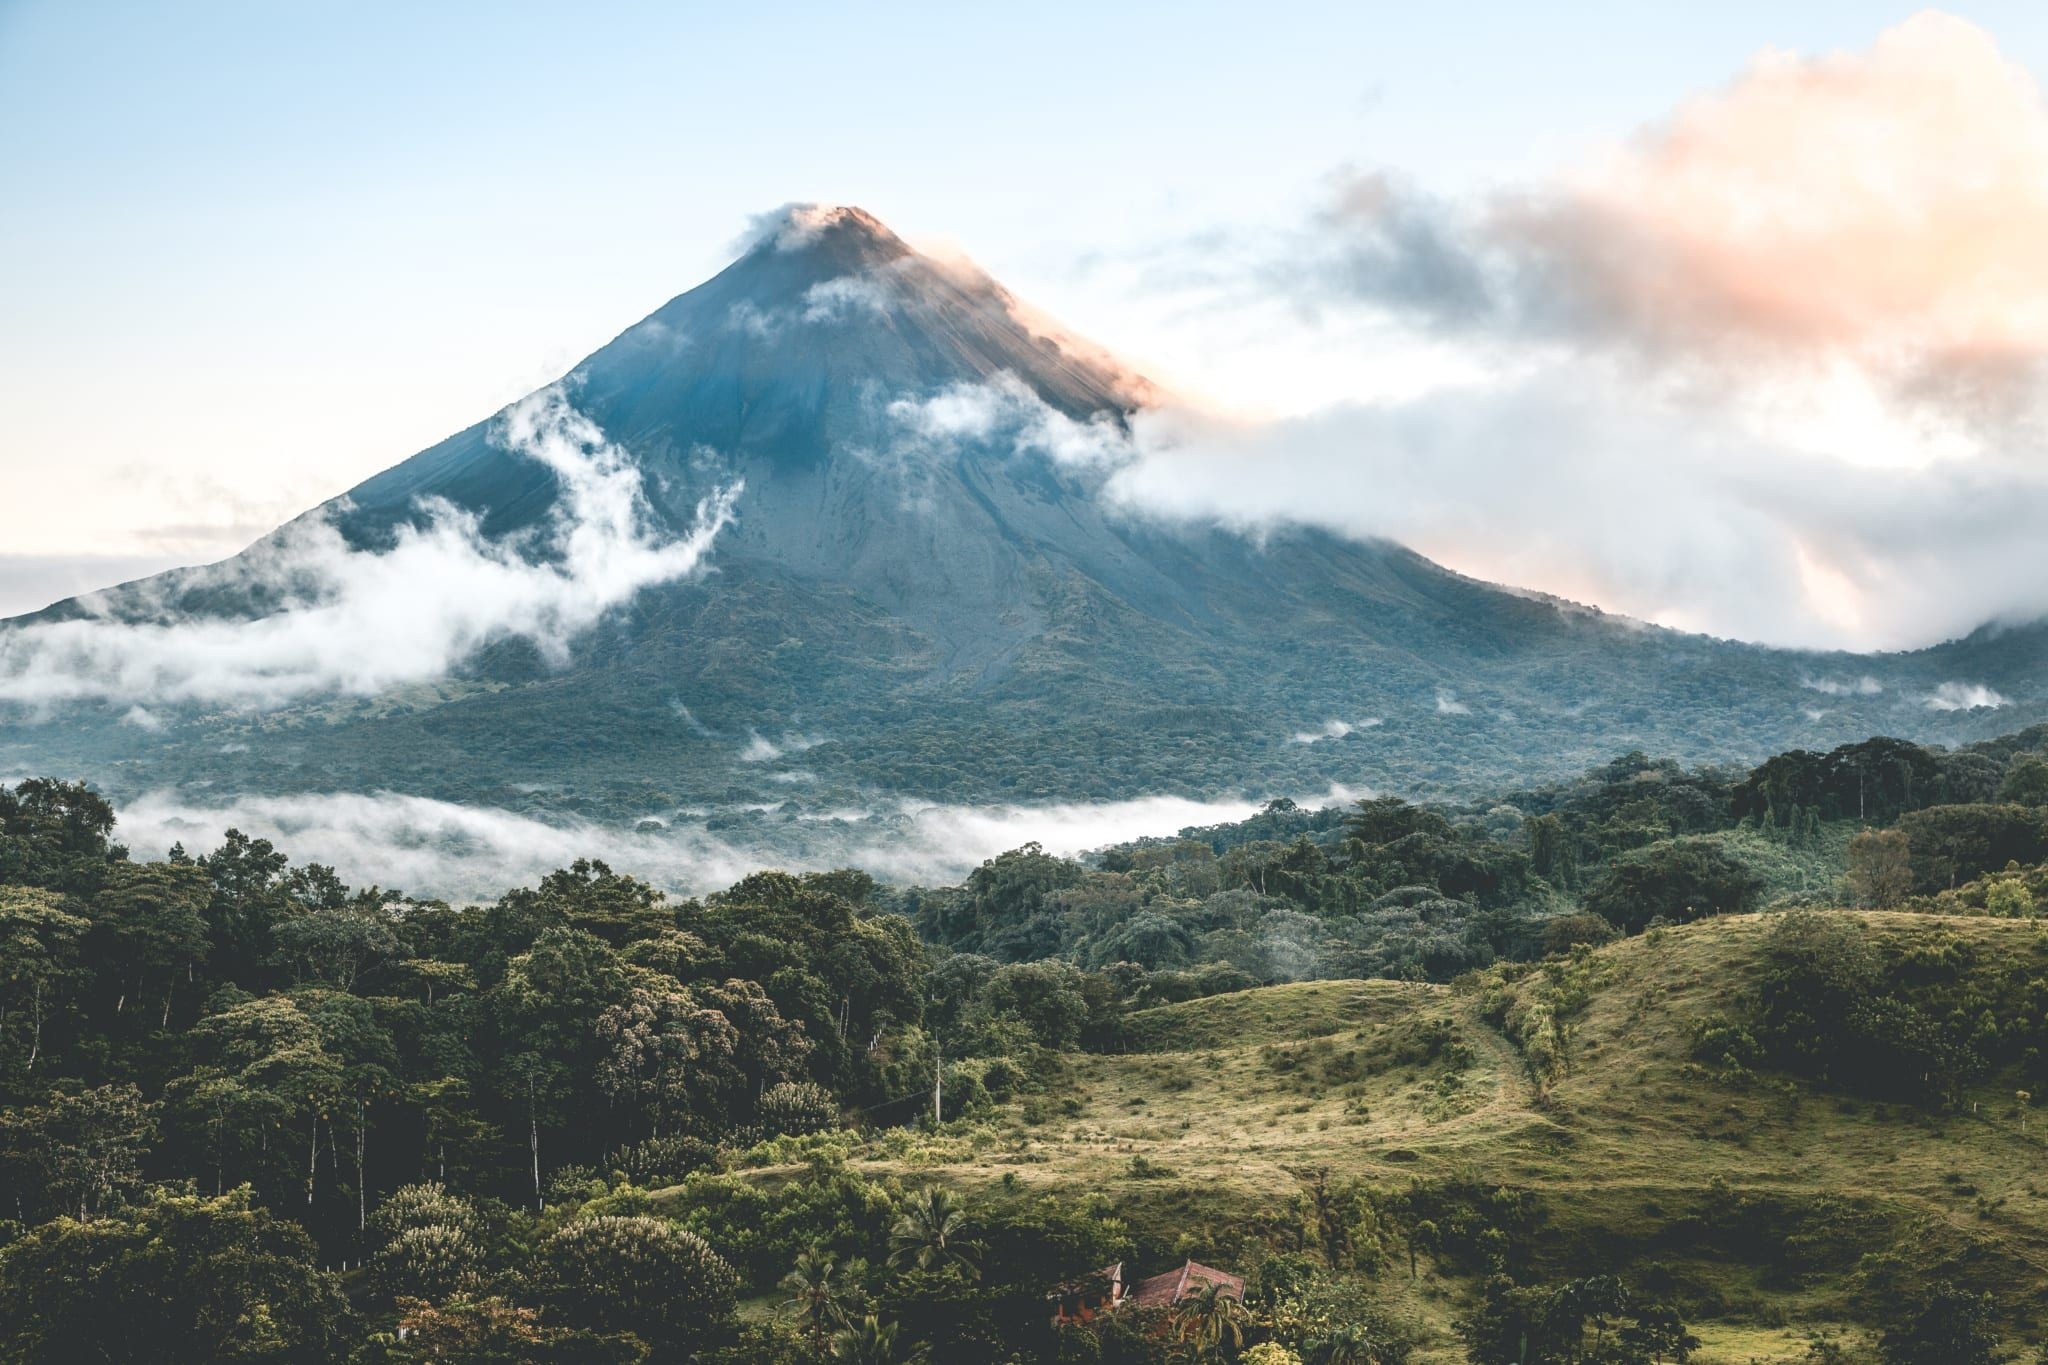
1769, 1207
917, 591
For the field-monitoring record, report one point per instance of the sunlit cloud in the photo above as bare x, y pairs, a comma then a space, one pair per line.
1888, 208
1772, 368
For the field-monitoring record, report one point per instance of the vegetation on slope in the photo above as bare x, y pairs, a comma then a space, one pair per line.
1595, 1071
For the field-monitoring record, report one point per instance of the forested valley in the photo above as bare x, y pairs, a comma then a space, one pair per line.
249, 1111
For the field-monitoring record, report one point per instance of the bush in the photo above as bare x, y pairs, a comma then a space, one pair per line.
797, 1108
1725, 1046
1950, 1326
1270, 1353
1566, 932
178, 1277
422, 1206
431, 1263
573, 1184
640, 1275
1677, 881
666, 1160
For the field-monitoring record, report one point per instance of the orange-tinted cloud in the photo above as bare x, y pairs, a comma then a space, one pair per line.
1895, 196
1888, 207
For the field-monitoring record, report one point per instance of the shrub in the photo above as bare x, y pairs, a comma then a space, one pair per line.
1725, 1046
423, 1206
1678, 881
431, 1263
1566, 932
1270, 1353
666, 1160
641, 1275
797, 1108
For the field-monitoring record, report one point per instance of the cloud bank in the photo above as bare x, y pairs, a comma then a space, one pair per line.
1773, 368
1572, 482
359, 622
462, 852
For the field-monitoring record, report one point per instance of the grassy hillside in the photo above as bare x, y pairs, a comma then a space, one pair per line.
1769, 1207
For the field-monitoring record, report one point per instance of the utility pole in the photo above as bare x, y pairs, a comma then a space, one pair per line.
938, 1088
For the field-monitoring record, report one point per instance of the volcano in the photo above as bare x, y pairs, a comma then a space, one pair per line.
925, 592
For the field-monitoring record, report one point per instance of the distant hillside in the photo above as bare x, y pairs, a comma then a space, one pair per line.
922, 594
1764, 1204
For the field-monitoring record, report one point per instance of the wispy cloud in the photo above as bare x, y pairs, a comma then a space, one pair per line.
358, 622
461, 852
1960, 696
760, 749
1333, 729
848, 294
1005, 411
1863, 686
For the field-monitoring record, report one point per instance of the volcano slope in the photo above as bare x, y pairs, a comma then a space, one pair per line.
925, 592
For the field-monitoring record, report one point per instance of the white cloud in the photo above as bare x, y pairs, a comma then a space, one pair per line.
761, 749
1772, 367
461, 852
832, 299
873, 291
794, 225
1005, 411
1572, 480
1447, 704
744, 316
1333, 729
359, 622
1958, 696
1864, 686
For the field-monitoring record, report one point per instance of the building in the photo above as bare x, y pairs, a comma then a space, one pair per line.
1107, 1290
1176, 1286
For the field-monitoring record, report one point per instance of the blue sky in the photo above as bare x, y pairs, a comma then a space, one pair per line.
253, 253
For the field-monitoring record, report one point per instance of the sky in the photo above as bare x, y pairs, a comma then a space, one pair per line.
1729, 317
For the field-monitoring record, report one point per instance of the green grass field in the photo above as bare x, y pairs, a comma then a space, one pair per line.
1773, 1209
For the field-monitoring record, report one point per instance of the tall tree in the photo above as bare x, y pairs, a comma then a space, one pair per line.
39, 964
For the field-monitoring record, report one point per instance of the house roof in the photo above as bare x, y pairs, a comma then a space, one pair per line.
1164, 1291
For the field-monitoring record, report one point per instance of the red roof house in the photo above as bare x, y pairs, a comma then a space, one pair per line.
1175, 1286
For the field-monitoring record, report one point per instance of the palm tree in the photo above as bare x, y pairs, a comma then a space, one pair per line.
1207, 1316
869, 1342
930, 1234
821, 1290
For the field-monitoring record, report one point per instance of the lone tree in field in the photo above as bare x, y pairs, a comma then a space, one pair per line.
1880, 869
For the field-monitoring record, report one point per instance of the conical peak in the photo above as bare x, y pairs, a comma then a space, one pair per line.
850, 237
